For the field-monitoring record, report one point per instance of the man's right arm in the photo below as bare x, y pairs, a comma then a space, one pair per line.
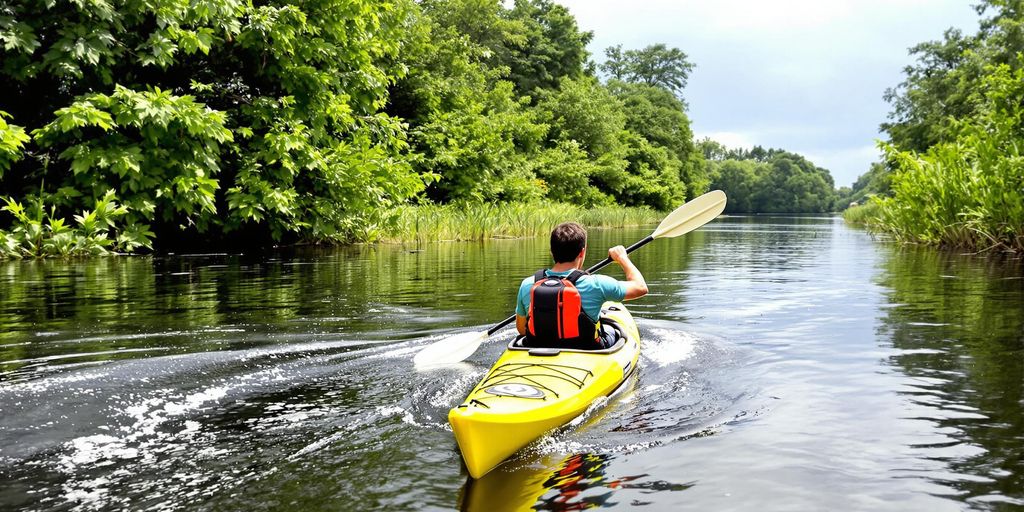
635, 284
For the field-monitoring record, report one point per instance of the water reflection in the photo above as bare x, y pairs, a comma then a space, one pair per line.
957, 323
580, 481
788, 363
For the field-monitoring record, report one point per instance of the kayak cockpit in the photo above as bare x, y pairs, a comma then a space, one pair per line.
620, 335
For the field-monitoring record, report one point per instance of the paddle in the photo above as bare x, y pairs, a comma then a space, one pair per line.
684, 219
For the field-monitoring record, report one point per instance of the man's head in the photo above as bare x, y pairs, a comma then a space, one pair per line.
567, 242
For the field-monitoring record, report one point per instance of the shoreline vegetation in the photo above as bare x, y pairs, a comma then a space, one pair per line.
474, 222
952, 173
251, 125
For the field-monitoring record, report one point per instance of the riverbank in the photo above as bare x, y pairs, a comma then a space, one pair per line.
466, 222
967, 229
37, 236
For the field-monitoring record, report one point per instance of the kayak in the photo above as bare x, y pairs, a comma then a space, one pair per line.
529, 392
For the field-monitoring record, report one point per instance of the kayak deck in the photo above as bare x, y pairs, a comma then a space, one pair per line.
529, 392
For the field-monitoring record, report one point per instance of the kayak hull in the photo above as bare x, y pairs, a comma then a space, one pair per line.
530, 392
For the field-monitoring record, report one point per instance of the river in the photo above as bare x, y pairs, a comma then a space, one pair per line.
789, 363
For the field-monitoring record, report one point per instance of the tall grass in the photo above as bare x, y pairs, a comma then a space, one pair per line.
968, 192
863, 215
433, 223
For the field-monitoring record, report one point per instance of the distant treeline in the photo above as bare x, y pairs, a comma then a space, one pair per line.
952, 172
125, 125
759, 180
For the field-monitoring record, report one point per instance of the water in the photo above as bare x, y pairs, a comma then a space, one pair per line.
788, 364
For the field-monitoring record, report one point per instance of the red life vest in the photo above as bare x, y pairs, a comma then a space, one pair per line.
556, 318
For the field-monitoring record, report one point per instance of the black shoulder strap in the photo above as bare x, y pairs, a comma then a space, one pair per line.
539, 276
575, 275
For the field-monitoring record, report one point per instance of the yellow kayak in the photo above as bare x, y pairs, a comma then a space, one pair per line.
529, 392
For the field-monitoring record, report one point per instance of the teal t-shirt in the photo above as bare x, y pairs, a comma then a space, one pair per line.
594, 291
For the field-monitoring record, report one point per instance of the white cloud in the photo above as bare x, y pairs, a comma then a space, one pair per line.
845, 164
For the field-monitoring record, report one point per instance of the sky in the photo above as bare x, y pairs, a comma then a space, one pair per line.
807, 76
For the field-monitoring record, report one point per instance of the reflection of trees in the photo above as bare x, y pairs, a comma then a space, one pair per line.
959, 322
176, 303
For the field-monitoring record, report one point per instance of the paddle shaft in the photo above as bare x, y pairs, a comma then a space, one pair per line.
598, 266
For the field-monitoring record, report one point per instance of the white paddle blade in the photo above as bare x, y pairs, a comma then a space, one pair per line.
691, 215
450, 350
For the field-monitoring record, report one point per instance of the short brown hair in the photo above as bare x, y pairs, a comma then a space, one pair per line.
567, 241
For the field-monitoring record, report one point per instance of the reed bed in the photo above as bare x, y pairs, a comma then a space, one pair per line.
969, 196
473, 222
862, 215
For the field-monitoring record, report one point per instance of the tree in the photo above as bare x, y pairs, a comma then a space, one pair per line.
939, 86
712, 150
655, 65
738, 179
551, 48
234, 117
785, 183
586, 112
793, 184
876, 182
968, 191
658, 116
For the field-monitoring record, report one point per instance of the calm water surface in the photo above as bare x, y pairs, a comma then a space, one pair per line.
788, 364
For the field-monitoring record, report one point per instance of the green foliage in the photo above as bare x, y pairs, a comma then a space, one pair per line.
874, 182
794, 185
588, 113
652, 176
656, 65
161, 152
783, 182
712, 149
739, 180
940, 86
12, 140
637, 137
36, 231
660, 117
213, 118
471, 221
954, 134
967, 192
229, 122
866, 214
566, 170
478, 150
534, 44
470, 132
550, 49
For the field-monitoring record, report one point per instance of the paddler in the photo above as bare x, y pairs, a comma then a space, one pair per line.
560, 306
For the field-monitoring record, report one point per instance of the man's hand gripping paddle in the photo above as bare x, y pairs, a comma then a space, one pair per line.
684, 219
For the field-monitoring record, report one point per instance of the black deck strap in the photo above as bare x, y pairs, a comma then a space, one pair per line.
509, 371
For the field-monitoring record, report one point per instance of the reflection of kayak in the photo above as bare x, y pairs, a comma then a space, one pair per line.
529, 392
547, 484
